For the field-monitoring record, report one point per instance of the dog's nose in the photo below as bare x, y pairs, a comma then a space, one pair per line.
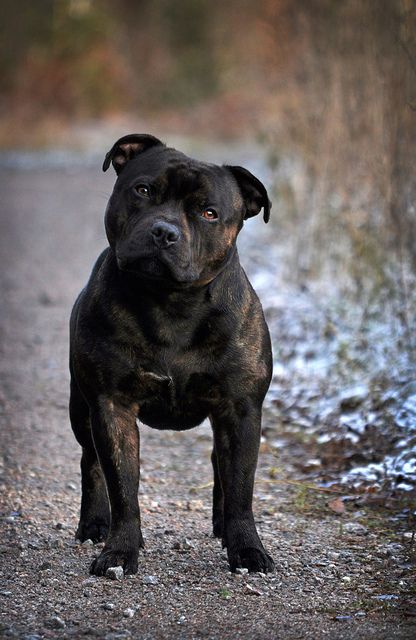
164, 234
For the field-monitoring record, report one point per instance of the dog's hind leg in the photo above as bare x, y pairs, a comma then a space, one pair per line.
94, 521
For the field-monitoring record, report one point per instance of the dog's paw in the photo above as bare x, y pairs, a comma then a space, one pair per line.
126, 558
95, 530
250, 558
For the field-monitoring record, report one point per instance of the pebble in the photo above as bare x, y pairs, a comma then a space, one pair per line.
57, 544
392, 548
72, 486
56, 623
242, 571
87, 593
409, 535
128, 613
188, 544
60, 526
109, 606
195, 505
88, 581
150, 580
45, 565
88, 543
115, 573
346, 579
355, 528
33, 544
252, 591
9, 519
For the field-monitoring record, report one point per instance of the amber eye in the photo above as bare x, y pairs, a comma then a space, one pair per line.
209, 214
142, 190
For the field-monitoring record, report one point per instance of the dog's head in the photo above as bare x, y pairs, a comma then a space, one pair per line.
174, 219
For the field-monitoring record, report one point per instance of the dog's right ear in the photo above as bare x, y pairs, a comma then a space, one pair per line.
127, 148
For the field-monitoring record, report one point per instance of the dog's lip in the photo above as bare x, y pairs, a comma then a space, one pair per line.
130, 265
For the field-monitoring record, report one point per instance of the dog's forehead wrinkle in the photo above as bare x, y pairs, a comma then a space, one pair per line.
172, 172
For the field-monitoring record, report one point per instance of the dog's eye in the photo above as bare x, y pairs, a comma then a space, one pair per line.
209, 214
142, 190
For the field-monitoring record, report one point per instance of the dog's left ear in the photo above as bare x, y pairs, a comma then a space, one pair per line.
253, 191
127, 148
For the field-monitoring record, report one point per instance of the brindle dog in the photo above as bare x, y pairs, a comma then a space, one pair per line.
169, 331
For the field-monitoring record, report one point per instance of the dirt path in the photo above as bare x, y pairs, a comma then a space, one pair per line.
334, 578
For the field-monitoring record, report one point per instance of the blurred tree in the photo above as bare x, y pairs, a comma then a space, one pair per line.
58, 58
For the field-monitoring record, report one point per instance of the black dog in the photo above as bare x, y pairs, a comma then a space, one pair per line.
170, 331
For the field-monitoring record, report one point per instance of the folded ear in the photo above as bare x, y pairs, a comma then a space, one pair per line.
253, 191
127, 148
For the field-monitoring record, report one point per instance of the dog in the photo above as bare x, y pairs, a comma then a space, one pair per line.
169, 331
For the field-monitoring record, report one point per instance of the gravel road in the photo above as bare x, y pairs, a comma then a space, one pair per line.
334, 578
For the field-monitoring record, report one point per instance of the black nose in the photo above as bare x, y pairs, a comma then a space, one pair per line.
164, 234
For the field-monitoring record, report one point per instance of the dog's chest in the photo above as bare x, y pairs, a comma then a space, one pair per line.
179, 399
176, 368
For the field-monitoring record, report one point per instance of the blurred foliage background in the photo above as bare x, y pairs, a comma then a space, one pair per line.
326, 88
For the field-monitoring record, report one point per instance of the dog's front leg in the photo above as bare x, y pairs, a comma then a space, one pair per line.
116, 439
237, 437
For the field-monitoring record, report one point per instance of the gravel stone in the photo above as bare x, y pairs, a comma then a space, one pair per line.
55, 622
128, 613
409, 535
252, 591
188, 544
355, 529
195, 505
115, 573
150, 580
88, 543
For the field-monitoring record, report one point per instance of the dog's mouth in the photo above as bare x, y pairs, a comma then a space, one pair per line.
155, 269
